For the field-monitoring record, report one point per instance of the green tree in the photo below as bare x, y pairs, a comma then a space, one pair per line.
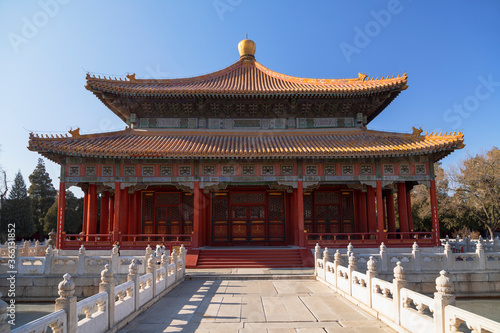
476, 183
42, 194
17, 209
73, 215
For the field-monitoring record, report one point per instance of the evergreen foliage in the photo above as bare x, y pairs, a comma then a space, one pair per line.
42, 194
17, 209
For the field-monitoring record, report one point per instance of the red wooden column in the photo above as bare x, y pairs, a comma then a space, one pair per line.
85, 209
370, 205
92, 210
111, 217
408, 207
104, 228
138, 217
300, 214
402, 207
391, 212
380, 212
124, 211
131, 214
293, 217
61, 204
117, 212
197, 211
434, 211
363, 224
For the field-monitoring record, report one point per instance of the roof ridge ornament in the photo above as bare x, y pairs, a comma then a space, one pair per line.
131, 77
416, 132
362, 77
247, 48
75, 133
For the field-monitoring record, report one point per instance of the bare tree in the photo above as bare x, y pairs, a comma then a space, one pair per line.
476, 182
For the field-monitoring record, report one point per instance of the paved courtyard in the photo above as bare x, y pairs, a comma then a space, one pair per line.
254, 306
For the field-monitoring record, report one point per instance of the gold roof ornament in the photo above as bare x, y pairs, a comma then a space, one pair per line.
247, 48
75, 133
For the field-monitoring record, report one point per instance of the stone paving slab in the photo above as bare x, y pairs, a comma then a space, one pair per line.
270, 306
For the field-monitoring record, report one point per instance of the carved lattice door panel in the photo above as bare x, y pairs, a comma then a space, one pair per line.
220, 217
148, 213
329, 212
167, 213
248, 217
276, 217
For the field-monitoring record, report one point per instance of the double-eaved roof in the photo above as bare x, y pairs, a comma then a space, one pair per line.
245, 79
203, 144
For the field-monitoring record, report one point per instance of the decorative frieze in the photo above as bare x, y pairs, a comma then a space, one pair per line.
325, 122
311, 170
388, 169
148, 170
348, 169
366, 169
228, 170
267, 170
287, 170
420, 169
74, 171
185, 170
166, 170
208, 170
248, 170
329, 169
129, 170
107, 170
90, 170
404, 169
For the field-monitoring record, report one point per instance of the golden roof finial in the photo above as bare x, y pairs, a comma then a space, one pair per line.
247, 48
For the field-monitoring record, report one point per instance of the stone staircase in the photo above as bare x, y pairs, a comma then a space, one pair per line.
253, 258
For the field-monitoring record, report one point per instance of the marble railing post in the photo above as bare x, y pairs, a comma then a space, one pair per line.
37, 248
349, 250
496, 244
443, 297
4, 325
337, 260
383, 258
81, 261
417, 257
133, 275
47, 269
481, 255
450, 258
326, 258
398, 283
317, 255
149, 254
151, 268
67, 302
183, 252
371, 273
351, 267
114, 258
174, 261
108, 285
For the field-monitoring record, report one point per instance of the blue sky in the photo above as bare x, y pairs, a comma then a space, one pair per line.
449, 49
